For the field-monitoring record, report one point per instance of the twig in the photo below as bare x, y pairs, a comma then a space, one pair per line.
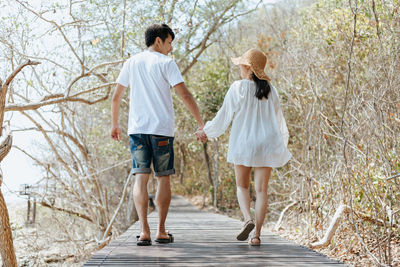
106, 237
59, 29
330, 232
54, 100
83, 216
278, 223
392, 177
377, 21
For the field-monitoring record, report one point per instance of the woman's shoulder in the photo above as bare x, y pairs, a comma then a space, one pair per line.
243, 84
241, 88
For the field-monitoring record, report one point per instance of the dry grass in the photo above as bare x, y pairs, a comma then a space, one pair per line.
55, 240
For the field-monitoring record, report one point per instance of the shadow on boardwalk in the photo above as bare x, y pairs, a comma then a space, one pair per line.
204, 239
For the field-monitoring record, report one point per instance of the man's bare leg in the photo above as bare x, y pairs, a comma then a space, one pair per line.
141, 197
163, 200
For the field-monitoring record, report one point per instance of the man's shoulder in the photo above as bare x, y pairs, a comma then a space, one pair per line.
164, 58
139, 55
152, 57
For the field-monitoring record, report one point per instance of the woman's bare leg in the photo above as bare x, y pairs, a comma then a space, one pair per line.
242, 185
261, 178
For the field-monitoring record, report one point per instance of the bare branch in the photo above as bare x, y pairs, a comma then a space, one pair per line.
59, 29
83, 216
278, 223
218, 22
17, 70
54, 100
376, 20
393, 177
123, 30
332, 227
5, 86
109, 226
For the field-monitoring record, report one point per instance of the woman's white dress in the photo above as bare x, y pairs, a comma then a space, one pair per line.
259, 134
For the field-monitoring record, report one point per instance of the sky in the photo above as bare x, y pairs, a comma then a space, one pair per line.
18, 168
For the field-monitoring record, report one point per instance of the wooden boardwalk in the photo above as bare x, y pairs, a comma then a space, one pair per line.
204, 239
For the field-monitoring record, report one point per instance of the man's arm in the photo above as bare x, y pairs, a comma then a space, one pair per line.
189, 102
116, 101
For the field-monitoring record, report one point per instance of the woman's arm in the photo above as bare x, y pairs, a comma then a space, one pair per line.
221, 121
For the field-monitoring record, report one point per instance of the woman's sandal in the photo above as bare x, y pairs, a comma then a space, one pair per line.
251, 243
246, 230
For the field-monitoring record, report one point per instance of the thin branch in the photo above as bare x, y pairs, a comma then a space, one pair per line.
83, 216
17, 70
90, 72
330, 232
219, 21
123, 30
59, 29
11, 47
393, 177
278, 223
66, 187
73, 98
60, 159
377, 20
4, 89
110, 224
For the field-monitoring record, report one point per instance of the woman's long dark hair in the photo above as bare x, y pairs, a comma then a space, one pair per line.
262, 87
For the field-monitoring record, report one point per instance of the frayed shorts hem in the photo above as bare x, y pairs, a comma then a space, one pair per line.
140, 170
165, 173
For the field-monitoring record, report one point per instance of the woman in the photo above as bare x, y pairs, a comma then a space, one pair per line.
258, 138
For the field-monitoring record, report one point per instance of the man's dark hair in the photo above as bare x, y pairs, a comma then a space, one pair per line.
158, 30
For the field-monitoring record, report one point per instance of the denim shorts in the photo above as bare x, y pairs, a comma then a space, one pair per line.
147, 148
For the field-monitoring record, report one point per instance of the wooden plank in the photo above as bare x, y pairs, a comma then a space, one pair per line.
204, 239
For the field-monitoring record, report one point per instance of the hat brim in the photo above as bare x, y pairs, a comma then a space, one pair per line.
258, 72
239, 61
262, 76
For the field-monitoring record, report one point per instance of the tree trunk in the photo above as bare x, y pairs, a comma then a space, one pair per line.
7, 251
183, 162
6, 243
207, 158
216, 172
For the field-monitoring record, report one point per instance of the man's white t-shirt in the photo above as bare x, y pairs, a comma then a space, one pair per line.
150, 75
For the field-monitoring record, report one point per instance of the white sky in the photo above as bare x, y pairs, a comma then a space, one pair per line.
18, 168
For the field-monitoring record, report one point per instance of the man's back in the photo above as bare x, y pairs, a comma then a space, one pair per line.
151, 123
150, 75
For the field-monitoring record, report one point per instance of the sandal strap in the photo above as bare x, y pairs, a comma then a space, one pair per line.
248, 222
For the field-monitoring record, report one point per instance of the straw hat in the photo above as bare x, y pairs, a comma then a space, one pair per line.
256, 60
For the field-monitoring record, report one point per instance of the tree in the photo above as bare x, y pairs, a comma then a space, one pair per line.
6, 245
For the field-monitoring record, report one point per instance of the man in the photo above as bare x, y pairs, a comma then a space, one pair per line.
151, 122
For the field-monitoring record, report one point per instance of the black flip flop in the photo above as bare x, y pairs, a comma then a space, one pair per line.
165, 240
144, 242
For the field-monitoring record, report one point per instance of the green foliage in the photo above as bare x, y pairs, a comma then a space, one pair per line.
212, 87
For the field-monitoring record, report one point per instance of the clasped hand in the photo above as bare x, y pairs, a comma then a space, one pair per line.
201, 135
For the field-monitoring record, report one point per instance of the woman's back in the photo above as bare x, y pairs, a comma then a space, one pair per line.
258, 135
